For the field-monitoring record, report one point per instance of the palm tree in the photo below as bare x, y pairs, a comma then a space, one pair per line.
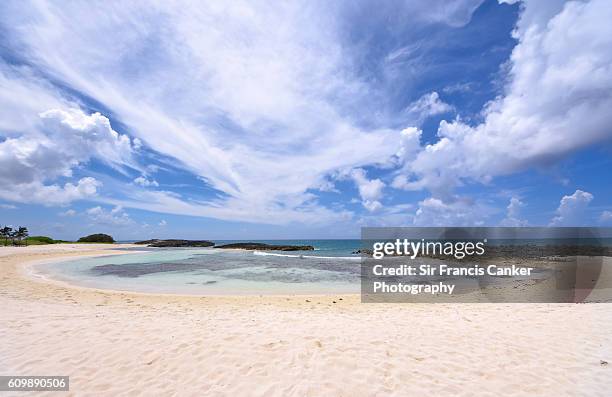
22, 233
6, 232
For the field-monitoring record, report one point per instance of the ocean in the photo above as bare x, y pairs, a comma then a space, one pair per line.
331, 268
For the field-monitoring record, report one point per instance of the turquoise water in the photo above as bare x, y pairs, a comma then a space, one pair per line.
330, 268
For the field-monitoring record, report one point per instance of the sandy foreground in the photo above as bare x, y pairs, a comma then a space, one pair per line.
113, 343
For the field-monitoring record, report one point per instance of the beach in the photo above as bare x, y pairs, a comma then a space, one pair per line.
122, 343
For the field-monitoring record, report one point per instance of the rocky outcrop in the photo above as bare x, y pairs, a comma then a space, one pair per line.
267, 247
146, 242
172, 243
97, 238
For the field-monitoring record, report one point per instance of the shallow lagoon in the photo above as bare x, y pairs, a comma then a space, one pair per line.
205, 271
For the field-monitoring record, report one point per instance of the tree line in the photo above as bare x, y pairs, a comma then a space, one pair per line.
16, 236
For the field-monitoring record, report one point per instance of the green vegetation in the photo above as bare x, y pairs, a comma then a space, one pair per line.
97, 238
39, 240
12, 236
19, 237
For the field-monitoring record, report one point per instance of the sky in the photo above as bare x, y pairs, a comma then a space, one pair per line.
303, 119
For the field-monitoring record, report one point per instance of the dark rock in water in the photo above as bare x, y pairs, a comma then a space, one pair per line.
267, 247
146, 242
176, 243
133, 270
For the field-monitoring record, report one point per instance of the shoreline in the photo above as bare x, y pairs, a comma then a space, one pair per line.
126, 343
26, 272
67, 251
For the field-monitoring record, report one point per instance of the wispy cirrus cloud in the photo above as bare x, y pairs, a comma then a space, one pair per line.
258, 101
266, 105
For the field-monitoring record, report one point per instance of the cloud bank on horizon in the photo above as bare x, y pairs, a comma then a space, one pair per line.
307, 114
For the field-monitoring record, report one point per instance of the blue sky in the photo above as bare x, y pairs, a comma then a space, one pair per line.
304, 119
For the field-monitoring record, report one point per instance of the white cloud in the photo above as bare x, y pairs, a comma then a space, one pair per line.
372, 205
513, 214
23, 96
115, 217
456, 13
283, 80
326, 185
370, 190
69, 212
556, 101
38, 193
162, 223
409, 145
388, 216
428, 105
459, 211
144, 182
8, 206
273, 213
285, 92
282, 77
605, 217
61, 141
80, 136
572, 209
458, 87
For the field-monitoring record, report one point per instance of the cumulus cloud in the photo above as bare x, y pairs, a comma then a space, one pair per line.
605, 217
49, 195
80, 136
459, 211
326, 185
61, 141
388, 216
572, 209
115, 217
513, 214
144, 182
69, 212
559, 87
370, 190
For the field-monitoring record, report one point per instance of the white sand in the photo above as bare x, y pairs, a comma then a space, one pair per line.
137, 344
